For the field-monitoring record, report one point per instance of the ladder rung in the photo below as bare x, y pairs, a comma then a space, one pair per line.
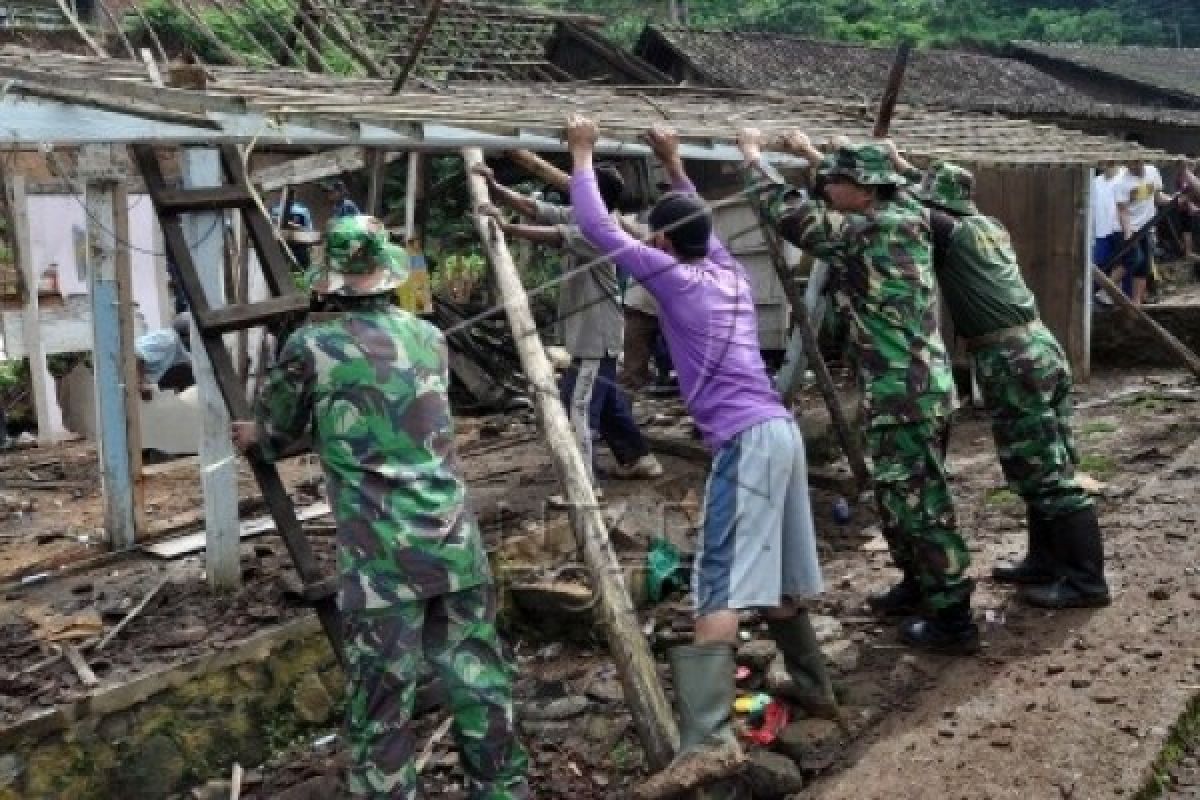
209, 198
240, 317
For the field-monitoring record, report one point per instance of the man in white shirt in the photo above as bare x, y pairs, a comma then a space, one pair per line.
1138, 196
1106, 223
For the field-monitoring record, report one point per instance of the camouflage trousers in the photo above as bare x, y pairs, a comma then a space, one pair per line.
385, 653
916, 510
1026, 384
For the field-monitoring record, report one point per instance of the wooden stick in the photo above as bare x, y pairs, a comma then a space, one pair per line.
340, 35
235, 782
225, 50
540, 168
75, 658
116, 23
891, 92
149, 28
418, 45
129, 368
1181, 351
82, 31
636, 669
132, 615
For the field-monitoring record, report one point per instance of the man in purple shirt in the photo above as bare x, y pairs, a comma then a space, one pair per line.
758, 549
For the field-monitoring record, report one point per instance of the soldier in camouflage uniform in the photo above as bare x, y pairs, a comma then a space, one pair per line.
1026, 382
370, 385
879, 239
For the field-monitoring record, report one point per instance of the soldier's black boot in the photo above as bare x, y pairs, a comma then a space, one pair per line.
901, 600
949, 631
804, 679
1079, 565
708, 749
1037, 566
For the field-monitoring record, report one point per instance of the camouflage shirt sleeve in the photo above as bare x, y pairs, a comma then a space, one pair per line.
806, 222
284, 409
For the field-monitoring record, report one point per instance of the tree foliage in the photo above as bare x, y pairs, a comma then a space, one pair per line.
927, 22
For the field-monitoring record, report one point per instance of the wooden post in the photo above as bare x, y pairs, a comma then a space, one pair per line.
376, 161
635, 666
67, 12
412, 193
129, 370
540, 168
218, 465
96, 166
39, 376
418, 44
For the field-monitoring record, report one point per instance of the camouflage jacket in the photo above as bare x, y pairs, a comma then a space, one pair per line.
371, 385
883, 266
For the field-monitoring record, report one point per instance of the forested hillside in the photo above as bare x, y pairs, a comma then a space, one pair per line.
934, 22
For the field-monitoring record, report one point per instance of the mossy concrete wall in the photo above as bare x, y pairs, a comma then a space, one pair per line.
161, 734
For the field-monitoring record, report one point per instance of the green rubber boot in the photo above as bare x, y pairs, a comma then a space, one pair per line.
708, 749
805, 679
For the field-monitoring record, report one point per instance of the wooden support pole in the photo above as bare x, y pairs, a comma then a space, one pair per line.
414, 53
116, 23
129, 368
636, 669
540, 168
96, 166
149, 28
846, 437
891, 91
18, 210
218, 465
69, 13
1180, 350
376, 160
412, 193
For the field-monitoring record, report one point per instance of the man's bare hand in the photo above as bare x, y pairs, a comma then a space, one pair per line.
664, 141
245, 435
485, 172
751, 141
582, 134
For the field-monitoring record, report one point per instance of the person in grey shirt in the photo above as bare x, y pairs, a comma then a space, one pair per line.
592, 323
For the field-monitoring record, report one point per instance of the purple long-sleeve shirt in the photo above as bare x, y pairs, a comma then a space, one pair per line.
706, 308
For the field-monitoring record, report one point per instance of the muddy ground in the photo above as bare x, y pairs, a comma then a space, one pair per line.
1072, 704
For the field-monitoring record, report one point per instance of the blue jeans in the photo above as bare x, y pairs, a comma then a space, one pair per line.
594, 401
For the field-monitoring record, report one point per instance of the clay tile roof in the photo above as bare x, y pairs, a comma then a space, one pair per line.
1168, 70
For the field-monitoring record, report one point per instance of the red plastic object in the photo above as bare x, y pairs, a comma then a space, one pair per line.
743, 673
776, 717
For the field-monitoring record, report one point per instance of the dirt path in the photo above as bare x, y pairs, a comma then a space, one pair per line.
1072, 704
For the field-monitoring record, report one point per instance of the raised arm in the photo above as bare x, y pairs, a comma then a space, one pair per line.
525, 206
664, 141
800, 219
654, 269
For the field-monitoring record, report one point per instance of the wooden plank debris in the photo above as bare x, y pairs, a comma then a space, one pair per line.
77, 662
195, 542
132, 615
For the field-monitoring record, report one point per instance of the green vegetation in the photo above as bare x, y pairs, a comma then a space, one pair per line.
1184, 738
1100, 467
928, 22
1000, 496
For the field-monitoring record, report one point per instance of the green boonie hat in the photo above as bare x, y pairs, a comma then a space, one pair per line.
359, 259
865, 164
949, 186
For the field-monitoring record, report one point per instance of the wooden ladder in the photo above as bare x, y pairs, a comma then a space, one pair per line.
237, 195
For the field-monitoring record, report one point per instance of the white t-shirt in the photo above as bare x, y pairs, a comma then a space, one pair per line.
1105, 221
1139, 193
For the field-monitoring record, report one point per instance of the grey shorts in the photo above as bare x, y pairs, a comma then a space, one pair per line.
758, 544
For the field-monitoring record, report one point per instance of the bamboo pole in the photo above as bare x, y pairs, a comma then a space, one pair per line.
343, 39
225, 50
540, 168
99, 51
414, 53
116, 23
635, 666
149, 28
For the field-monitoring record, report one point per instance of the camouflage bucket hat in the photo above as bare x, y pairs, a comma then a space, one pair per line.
950, 187
359, 259
865, 164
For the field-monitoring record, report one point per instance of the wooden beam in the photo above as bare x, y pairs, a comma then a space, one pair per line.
412, 193
116, 23
376, 176
189, 10
652, 716
418, 44
149, 28
69, 13
219, 465
96, 166
129, 369
314, 168
340, 35
1181, 351
540, 168
18, 211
